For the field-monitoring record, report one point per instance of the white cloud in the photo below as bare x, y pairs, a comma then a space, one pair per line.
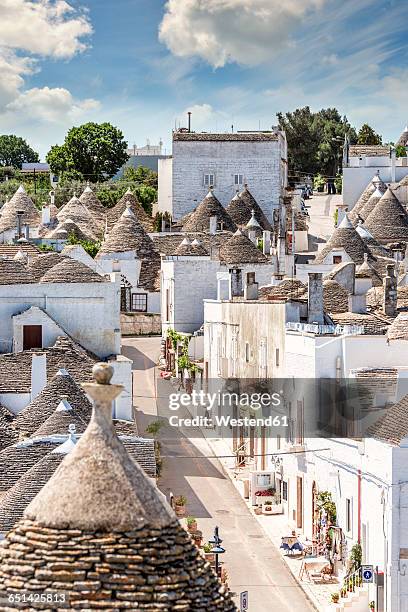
54, 105
42, 27
29, 31
219, 31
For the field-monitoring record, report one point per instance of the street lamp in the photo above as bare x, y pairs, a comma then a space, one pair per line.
217, 549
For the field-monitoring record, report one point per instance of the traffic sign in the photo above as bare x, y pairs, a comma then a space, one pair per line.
244, 601
367, 573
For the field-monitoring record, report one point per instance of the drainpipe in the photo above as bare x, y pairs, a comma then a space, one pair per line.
359, 507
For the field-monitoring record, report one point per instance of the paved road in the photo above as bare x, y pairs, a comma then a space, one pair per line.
252, 562
321, 210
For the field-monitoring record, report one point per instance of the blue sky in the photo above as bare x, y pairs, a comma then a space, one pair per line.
141, 64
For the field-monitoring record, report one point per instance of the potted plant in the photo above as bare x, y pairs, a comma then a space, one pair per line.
335, 597
180, 505
197, 537
371, 605
191, 524
209, 555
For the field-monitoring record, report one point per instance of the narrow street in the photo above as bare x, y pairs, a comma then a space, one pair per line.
252, 562
321, 208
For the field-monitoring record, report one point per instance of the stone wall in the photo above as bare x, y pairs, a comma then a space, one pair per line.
260, 164
140, 324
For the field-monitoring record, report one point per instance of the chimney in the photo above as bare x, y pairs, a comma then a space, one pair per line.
38, 374
213, 224
45, 214
315, 298
189, 121
266, 237
223, 286
19, 214
393, 163
236, 283
390, 292
252, 235
250, 287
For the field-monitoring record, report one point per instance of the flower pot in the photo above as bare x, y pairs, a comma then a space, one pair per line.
210, 557
192, 527
180, 510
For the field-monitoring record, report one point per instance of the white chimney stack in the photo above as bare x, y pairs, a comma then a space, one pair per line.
38, 374
315, 298
213, 224
45, 215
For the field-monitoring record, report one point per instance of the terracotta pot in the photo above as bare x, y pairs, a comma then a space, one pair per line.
192, 528
180, 510
210, 557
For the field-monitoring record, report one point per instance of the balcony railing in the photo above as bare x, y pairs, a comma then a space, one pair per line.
322, 330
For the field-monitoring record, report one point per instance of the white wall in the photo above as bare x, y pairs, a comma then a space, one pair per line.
165, 193
35, 316
89, 312
355, 180
260, 162
129, 267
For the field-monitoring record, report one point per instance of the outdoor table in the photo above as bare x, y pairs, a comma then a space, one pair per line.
315, 566
291, 544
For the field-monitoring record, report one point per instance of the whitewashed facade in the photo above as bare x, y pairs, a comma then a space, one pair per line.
227, 162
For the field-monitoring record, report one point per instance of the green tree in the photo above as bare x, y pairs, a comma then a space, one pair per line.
315, 140
14, 151
141, 174
94, 151
367, 136
400, 151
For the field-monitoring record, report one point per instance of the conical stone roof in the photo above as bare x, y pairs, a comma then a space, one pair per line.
199, 220
13, 272
93, 203
403, 139
388, 221
15, 500
370, 204
33, 416
19, 201
63, 416
375, 183
240, 210
346, 237
239, 249
71, 271
40, 264
76, 211
128, 234
129, 200
99, 505
191, 248
68, 227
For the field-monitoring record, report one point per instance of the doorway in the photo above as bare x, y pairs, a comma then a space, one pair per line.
32, 337
299, 503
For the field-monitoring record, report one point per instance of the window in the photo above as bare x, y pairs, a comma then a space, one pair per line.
139, 302
300, 423
247, 352
284, 490
238, 179
209, 180
349, 516
337, 259
124, 299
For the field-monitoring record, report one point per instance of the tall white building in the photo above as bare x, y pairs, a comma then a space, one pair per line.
227, 162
